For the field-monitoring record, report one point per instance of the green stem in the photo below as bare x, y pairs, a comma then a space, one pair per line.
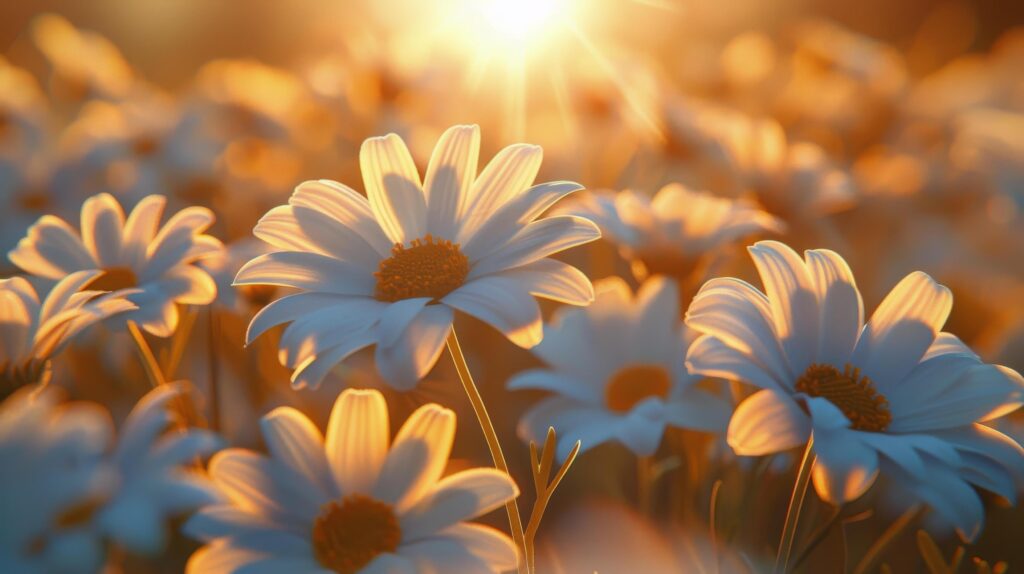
796, 503
515, 521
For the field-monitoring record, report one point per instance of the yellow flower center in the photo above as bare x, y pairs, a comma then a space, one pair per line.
854, 395
635, 383
349, 534
114, 279
429, 267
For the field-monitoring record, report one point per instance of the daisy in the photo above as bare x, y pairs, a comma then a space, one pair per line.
85, 64
618, 374
350, 503
155, 263
392, 269
154, 482
895, 395
51, 476
34, 331
674, 232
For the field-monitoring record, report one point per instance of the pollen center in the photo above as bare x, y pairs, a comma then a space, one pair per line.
851, 393
635, 383
429, 267
349, 534
114, 279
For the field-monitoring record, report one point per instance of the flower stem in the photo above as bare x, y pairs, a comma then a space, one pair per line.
796, 503
515, 521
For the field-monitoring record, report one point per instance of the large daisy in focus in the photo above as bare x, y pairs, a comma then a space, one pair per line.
392, 269
157, 264
617, 370
675, 232
33, 331
895, 395
349, 502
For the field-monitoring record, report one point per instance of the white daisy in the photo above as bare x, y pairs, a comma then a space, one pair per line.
674, 232
894, 396
350, 503
51, 475
156, 263
617, 368
391, 270
154, 479
34, 331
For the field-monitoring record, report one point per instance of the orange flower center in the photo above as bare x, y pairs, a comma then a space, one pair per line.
349, 534
854, 395
114, 279
429, 267
635, 383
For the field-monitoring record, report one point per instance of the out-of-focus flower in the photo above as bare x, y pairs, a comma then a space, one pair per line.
617, 369
579, 542
223, 267
990, 144
674, 233
52, 476
24, 137
392, 270
349, 502
155, 263
34, 331
731, 151
85, 64
141, 146
894, 396
154, 482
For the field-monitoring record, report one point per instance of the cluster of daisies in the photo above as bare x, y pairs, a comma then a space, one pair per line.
892, 395
116, 260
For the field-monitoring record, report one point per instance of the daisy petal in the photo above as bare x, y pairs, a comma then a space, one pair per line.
511, 171
792, 299
357, 440
459, 497
486, 543
842, 310
310, 271
536, 241
295, 441
102, 225
902, 329
766, 422
417, 457
502, 303
416, 351
51, 249
346, 206
393, 187
449, 178
553, 279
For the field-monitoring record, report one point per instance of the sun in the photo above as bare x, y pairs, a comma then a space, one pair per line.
519, 21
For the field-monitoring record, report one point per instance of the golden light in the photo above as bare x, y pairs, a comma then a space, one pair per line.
518, 21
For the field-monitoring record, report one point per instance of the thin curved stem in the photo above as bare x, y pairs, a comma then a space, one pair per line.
645, 484
514, 519
796, 504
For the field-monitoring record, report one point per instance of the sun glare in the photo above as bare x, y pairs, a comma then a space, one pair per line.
519, 21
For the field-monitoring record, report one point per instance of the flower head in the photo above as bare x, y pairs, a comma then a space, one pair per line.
617, 370
52, 476
34, 331
673, 232
155, 264
154, 482
895, 395
349, 502
390, 270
